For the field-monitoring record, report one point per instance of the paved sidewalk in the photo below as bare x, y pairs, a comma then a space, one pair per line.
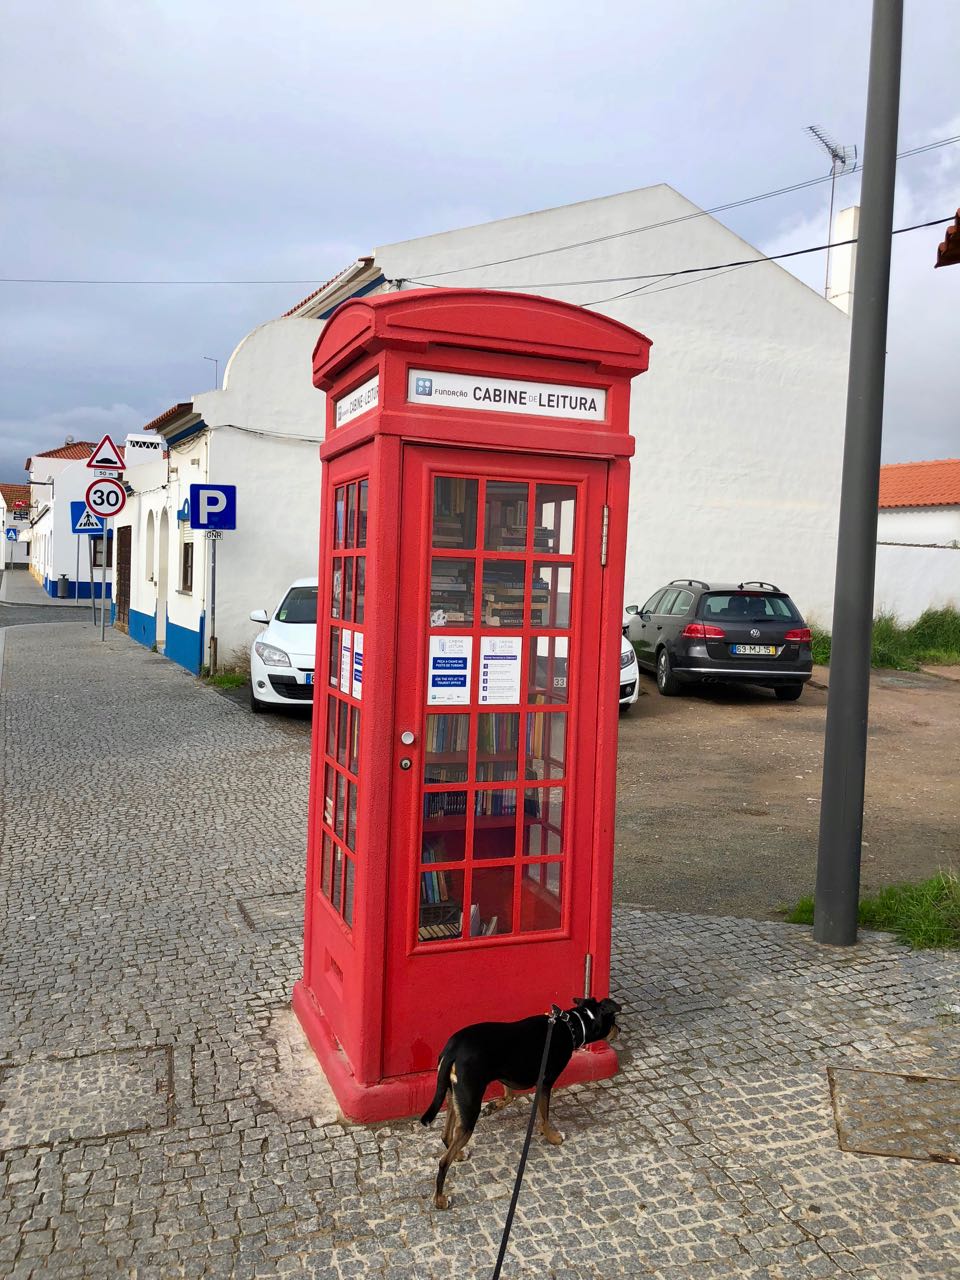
17, 586
159, 1117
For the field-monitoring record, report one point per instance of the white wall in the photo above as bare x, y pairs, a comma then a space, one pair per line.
910, 580
739, 421
937, 526
53, 545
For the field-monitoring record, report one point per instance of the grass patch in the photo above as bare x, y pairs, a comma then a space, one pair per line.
921, 915
227, 679
933, 640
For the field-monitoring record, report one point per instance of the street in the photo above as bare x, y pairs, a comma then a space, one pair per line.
160, 1114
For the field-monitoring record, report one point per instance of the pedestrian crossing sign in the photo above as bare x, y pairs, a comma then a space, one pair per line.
83, 520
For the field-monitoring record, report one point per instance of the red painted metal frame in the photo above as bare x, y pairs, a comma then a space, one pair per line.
377, 1026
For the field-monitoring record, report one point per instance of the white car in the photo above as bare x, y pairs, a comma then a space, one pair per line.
629, 673
283, 655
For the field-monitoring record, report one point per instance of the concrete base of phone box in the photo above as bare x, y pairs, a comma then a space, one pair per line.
401, 1096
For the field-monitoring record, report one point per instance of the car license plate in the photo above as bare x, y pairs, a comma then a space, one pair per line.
766, 649
308, 677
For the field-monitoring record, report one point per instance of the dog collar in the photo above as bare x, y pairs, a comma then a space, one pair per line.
574, 1013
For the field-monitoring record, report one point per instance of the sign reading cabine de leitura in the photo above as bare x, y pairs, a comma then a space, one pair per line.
506, 395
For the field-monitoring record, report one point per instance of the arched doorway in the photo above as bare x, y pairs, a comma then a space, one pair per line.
162, 567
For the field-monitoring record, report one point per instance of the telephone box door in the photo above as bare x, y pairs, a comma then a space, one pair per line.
497, 683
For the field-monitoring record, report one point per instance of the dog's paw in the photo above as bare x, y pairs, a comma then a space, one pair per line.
463, 1155
553, 1136
442, 1202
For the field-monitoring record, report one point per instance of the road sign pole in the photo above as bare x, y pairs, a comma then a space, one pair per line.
93, 598
76, 600
836, 903
103, 580
213, 608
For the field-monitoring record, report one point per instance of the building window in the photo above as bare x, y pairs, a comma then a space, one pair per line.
186, 568
149, 558
98, 553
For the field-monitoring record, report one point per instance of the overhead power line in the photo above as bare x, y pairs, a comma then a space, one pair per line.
657, 276
478, 266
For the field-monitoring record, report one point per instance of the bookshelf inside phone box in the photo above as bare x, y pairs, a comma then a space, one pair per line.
460, 839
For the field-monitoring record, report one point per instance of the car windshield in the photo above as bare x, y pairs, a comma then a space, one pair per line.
299, 605
747, 606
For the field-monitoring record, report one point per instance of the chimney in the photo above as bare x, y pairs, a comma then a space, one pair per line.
843, 259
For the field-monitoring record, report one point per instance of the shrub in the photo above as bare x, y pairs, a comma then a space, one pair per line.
921, 915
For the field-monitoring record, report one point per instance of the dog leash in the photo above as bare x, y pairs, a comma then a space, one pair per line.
552, 1017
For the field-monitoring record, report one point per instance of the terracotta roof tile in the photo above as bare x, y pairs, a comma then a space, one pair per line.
15, 493
76, 449
175, 411
920, 484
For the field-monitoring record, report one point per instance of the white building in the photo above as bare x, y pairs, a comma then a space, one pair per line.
918, 538
261, 433
739, 421
59, 477
15, 517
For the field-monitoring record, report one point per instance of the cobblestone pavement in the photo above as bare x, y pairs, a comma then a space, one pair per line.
159, 1117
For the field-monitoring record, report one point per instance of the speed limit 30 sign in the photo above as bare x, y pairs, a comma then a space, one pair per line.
106, 497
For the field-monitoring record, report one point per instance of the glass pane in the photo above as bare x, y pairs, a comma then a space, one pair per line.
451, 593
546, 744
441, 906
543, 820
339, 508
351, 514
548, 669
361, 587
341, 823
550, 595
348, 892
444, 826
326, 865
495, 823
491, 911
351, 838
505, 516
454, 512
553, 530
445, 748
503, 593
362, 515
331, 726
334, 664
355, 740
337, 877
328, 795
342, 735
348, 589
336, 589
540, 896
498, 740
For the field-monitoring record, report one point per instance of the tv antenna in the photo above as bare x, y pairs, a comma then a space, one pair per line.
842, 160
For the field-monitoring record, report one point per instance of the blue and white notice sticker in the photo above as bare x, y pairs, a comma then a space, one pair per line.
358, 665
500, 669
448, 675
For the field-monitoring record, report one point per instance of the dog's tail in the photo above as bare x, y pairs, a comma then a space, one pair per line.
444, 1068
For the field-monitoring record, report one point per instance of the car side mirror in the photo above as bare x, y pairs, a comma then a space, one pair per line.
631, 608
259, 615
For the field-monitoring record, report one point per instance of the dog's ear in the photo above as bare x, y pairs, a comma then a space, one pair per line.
610, 1006
580, 999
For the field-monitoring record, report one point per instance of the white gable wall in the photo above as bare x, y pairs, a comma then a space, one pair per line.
739, 421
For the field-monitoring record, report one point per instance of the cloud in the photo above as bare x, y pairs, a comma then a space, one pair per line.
21, 437
922, 393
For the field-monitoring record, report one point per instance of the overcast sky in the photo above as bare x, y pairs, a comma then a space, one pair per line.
176, 141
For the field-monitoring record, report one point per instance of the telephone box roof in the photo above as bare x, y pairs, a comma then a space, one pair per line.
494, 321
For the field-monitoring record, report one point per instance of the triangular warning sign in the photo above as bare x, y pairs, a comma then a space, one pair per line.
106, 456
88, 521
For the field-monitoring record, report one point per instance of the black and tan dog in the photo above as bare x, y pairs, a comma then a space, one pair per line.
473, 1058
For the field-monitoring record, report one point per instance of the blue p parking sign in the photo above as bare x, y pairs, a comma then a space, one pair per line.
213, 506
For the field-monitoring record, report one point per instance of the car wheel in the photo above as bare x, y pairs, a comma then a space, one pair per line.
667, 682
256, 706
788, 692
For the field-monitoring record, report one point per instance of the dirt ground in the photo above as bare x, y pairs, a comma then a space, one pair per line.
719, 793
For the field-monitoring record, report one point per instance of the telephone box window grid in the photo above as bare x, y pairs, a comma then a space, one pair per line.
341, 743
495, 781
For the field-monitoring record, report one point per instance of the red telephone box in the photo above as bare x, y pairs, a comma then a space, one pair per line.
460, 847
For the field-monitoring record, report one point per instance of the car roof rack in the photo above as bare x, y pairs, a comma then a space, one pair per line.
689, 582
754, 583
